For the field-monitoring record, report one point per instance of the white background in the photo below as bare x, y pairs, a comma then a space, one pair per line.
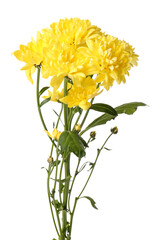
126, 181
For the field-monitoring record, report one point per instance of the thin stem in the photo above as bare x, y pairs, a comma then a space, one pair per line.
38, 102
79, 115
49, 198
85, 116
76, 199
60, 176
59, 116
54, 189
98, 153
75, 174
72, 214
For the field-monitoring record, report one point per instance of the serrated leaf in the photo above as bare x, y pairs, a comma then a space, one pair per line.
44, 101
100, 120
72, 142
129, 108
101, 107
43, 90
91, 201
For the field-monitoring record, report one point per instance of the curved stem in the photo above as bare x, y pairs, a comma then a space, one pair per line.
98, 153
38, 102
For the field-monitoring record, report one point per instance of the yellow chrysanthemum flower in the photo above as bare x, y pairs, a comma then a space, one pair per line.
55, 134
80, 93
32, 55
75, 48
111, 59
73, 32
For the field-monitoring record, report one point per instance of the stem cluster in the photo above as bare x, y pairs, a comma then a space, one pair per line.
59, 195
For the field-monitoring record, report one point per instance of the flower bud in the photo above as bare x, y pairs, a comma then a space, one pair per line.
114, 130
78, 127
50, 160
93, 134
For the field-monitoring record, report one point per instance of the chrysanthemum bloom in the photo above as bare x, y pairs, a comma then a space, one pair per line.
32, 55
75, 49
111, 59
59, 40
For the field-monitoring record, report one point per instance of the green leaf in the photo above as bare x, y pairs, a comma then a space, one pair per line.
129, 108
57, 205
45, 169
101, 107
62, 180
44, 101
72, 142
43, 90
100, 120
82, 167
91, 201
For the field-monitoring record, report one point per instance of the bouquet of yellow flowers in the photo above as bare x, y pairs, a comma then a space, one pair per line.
81, 61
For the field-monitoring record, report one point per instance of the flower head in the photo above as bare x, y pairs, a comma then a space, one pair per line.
75, 48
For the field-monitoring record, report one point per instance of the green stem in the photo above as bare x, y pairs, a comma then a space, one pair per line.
76, 199
38, 102
79, 115
85, 116
59, 117
54, 189
66, 167
98, 153
49, 198
75, 174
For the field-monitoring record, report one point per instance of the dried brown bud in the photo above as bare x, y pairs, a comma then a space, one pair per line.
93, 134
114, 130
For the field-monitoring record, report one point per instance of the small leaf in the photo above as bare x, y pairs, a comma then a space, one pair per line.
101, 107
82, 167
92, 165
45, 169
43, 90
44, 101
100, 120
91, 201
56, 163
129, 108
62, 180
72, 142
107, 149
